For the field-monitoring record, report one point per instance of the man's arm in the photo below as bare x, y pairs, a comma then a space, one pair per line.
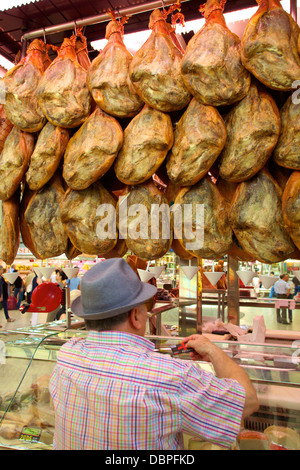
224, 368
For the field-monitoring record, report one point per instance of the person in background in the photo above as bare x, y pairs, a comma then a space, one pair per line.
18, 290
4, 293
111, 390
12, 269
282, 291
61, 281
297, 284
36, 281
74, 282
28, 285
53, 276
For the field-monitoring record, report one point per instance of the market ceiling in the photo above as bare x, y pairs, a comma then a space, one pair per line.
16, 22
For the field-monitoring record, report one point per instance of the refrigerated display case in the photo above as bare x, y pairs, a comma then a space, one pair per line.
28, 356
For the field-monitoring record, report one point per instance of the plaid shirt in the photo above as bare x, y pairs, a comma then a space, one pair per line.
112, 391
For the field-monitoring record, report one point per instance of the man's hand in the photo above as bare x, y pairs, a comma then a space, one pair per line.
224, 367
202, 347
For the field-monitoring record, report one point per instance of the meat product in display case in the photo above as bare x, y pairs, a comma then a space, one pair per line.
79, 212
270, 46
47, 154
211, 234
211, 67
287, 150
291, 207
108, 76
155, 69
257, 220
199, 138
148, 232
92, 150
42, 217
21, 82
147, 140
253, 127
10, 229
62, 92
14, 161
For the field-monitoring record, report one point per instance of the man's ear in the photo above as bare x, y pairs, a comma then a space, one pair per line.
135, 317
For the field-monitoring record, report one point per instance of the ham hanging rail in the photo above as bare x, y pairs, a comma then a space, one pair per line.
133, 10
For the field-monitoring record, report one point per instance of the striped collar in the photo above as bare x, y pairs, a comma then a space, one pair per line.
119, 338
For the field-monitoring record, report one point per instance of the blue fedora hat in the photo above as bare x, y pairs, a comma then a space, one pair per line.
110, 288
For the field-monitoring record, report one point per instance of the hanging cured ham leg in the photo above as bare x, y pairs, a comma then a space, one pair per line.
155, 69
199, 138
291, 207
209, 236
253, 127
147, 140
270, 46
211, 67
62, 92
287, 150
257, 221
10, 229
21, 82
108, 77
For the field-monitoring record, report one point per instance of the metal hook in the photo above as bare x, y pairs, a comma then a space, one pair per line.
75, 28
44, 34
163, 4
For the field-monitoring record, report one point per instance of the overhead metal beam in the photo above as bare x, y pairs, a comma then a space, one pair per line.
133, 10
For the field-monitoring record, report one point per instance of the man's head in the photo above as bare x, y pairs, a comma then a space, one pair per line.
113, 297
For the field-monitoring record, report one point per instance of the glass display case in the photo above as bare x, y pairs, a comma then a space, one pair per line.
27, 359
28, 356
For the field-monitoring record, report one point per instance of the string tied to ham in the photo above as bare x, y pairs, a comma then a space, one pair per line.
79, 34
206, 10
166, 13
119, 23
178, 16
36, 45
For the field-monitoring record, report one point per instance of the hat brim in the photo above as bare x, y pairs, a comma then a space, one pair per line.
147, 291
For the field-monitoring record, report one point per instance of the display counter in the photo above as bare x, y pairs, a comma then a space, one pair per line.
28, 356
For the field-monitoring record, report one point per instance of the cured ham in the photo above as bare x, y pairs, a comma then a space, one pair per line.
199, 138
10, 229
147, 140
80, 217
108, 76
253, 127
270, 46
155, 69
148, 233
291, 207
21, 104
14, 161
257, 220
5, 127
42, 220
211, 67
47, 154
211, 234
287, 150
92, 150
62, 92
